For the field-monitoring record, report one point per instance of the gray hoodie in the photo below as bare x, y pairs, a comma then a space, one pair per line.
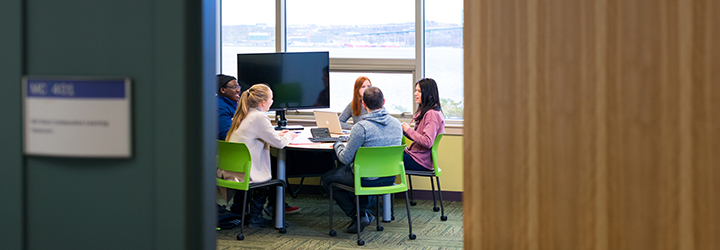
377, 129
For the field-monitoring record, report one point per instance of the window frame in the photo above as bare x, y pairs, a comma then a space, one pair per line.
415, 66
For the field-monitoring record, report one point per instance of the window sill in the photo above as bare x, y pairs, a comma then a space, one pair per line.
452, 127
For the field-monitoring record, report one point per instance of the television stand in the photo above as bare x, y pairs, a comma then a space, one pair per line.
282, 122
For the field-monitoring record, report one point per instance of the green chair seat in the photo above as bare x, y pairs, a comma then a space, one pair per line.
235, 157
436, 172
375, 162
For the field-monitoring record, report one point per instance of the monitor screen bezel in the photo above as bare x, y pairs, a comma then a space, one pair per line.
324, 55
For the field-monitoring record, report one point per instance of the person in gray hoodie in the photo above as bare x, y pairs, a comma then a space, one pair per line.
378, 129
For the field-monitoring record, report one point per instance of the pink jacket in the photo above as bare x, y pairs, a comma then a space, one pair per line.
423, 137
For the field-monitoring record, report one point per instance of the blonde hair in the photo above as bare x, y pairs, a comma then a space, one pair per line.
356, 103
250, 98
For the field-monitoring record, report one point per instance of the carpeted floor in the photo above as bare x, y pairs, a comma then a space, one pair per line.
308, 229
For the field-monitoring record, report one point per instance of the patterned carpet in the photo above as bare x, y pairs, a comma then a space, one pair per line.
308, 229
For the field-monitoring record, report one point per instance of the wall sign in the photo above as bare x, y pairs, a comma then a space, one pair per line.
77, 117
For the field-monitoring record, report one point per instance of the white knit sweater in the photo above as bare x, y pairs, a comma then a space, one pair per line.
258, 134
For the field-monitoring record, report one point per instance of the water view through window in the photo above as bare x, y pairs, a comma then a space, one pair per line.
374, 29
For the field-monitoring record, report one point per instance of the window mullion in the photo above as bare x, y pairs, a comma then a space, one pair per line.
280, 26
419, 43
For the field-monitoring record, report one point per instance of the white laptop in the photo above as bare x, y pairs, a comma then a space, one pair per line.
329, 120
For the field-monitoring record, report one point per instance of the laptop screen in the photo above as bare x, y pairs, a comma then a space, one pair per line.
329, 120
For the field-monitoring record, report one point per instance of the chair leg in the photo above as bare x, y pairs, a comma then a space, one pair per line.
377, 210
432, 185
442, 214
407, 205
241, 236
392, 207
332, 232
412, 199
283, 230
360, 242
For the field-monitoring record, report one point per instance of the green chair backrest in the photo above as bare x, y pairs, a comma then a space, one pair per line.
380, 162
434, 152
234, 156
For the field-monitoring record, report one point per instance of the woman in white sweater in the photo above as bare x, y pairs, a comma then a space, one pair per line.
251, 126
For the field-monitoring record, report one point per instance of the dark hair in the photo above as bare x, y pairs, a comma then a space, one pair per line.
222, 81
373, 98
430, 99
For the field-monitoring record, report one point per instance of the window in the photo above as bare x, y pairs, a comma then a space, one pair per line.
247, 27
375, 38
371, 29
394, 86
444, 52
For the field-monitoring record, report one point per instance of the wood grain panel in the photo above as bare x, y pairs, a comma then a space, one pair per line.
566, 106
643, 128
472, 207
592, 124
706, 124
498, 194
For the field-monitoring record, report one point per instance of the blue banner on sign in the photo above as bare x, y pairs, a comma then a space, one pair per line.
76, 88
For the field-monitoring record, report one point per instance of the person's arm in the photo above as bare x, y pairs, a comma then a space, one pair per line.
425, 137
224, 122
267, 132
406, 127
346, 153
345, 116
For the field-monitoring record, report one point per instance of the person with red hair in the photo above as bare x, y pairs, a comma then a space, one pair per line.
355, 108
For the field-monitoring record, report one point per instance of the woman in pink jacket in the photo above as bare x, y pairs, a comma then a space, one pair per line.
429, 122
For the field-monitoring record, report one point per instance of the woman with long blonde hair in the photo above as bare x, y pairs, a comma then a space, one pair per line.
251, 126
355, 108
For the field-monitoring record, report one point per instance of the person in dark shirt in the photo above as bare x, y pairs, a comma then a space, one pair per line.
228, 94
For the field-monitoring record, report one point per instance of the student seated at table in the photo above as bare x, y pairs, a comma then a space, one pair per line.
228, 94
355, 108
429, 122
251, 126
378, 129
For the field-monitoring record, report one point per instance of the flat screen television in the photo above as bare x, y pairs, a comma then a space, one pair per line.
299, 80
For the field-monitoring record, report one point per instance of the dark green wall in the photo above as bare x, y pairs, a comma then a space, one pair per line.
11, 160
162, 197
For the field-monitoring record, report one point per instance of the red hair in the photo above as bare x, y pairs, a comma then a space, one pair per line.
356, 103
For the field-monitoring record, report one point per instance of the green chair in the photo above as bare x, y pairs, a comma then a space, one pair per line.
375, 162
435, 173
235, 157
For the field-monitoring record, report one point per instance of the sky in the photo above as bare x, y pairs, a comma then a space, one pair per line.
339, 12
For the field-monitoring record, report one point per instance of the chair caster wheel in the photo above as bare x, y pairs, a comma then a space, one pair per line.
443, 218
412, 236
240, 237
333, 233
413, 203
361, 242
436, 209
380, 228
282, 230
